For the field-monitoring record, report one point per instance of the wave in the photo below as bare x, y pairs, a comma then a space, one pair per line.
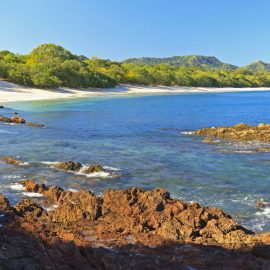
17, 186
32, 194
264, 212
73, 190
110, 172
50, 208
188, 132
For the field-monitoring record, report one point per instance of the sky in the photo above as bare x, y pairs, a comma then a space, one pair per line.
235, 31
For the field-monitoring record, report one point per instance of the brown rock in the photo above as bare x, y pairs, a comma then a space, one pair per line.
262, 204
68, 166
17, 119
4, 203
5, 119
93, 168
30, 124
73, 207
11, 160
238, 132
29, 210
208, 140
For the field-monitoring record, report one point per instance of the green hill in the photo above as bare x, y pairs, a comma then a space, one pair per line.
258, 66
209, 62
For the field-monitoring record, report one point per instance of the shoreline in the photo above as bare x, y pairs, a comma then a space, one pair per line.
10, 92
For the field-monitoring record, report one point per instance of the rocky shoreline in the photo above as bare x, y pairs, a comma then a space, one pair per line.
238, 132
123, 229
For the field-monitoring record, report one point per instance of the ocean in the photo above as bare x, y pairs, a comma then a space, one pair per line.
147, 141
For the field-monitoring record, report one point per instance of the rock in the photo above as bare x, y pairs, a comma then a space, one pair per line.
29, 210
11, 160
208, 140
125, 229
73, 207
4, 203
93, 168
68, 166
17, 119
261, 204
15, 113
5, 119
30, 124
2, 107
238, 132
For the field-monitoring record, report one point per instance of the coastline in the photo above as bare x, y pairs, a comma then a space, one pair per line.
10, 92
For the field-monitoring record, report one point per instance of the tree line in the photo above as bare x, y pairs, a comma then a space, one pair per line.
51, 66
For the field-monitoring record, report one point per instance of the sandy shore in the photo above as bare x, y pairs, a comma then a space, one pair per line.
10, 92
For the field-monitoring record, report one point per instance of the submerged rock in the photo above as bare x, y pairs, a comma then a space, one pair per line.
238, 132
208, 140
30, 124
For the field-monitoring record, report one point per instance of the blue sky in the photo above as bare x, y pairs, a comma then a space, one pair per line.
236, 31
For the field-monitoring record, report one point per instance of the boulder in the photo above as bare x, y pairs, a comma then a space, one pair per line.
68, 166
93, 168
17, 119
5, 119
11, 160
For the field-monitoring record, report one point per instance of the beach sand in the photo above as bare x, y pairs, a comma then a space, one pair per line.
10, 92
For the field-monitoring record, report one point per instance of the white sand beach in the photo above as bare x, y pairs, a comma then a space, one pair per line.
10, 92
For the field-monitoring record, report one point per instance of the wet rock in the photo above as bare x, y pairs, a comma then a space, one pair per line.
68, 166
238, 132
2, 107
262, 204
208, 140
30, 124
11, 160
5, 119
72, 207
4, 204
29, 210
17, 119
93, 168
126, 229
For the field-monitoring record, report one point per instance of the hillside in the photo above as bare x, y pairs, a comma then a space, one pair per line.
258, 66
209, 62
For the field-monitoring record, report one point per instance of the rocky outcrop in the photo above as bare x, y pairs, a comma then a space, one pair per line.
30, 124
11, 160
125, 229
238, 132
17, 119
68, 166
78, 167
5, 119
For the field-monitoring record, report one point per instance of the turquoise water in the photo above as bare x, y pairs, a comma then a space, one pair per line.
142, 136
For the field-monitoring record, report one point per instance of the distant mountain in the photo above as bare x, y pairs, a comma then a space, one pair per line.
258, 66
209, 62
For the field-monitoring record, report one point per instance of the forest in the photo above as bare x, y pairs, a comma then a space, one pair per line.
52, 66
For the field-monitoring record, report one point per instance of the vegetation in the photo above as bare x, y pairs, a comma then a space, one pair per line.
207, 62
51, 66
